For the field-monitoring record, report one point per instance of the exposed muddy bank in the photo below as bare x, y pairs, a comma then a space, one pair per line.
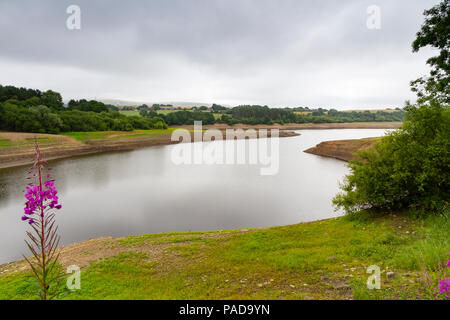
64, 147
345, 150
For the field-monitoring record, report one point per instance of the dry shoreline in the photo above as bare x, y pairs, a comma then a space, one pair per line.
66, 147
345, 150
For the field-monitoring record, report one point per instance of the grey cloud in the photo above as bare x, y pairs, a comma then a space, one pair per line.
231, 50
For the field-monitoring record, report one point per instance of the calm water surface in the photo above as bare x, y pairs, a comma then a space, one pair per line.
142, 191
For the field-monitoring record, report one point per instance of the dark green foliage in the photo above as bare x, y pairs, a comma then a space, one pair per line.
188, 117
112, 107
409, 168
19, 113
84, 105
33, 119
148, 113
266, 115
259, 114
52, 100
226, 118
435, 32
11, 92
31, 97
143, 107
23, 110
217, 107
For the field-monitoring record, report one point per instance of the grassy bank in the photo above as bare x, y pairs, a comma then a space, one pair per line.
117, 135
17, 148
318, 260
14, 140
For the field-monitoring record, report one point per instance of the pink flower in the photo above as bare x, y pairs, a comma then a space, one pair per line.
444, 287
40, 199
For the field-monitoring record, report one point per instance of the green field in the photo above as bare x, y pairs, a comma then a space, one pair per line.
317, 260
136, 113
167, 111
6, 143
130, 112
99, 135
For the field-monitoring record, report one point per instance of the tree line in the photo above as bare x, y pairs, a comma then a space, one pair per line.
255, 114
177, 118
30, 110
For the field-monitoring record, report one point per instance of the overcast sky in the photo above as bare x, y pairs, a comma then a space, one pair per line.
273, 52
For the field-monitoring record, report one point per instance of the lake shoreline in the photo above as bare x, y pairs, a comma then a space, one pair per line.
67, 147
323, 270
345, 150
157, 167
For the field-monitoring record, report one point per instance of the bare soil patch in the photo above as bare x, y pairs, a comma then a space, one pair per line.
65, 147
345, 150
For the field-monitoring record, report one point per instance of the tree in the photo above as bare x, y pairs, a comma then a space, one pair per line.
52, 100
48, 121
410, 168
143, 107
435, 32
217, 107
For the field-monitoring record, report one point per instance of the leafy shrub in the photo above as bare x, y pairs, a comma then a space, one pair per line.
410, 168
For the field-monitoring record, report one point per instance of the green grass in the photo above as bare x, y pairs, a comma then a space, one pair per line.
318, 260
5, 143
129, 113
43, 141
99, 135
167, 111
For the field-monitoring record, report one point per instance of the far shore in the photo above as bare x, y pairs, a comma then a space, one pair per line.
19, 149
305, 126
54, 147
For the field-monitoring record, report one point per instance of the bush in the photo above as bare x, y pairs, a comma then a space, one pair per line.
188, 118
409, 168
42, 119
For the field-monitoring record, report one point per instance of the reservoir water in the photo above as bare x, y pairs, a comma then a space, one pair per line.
143, 191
